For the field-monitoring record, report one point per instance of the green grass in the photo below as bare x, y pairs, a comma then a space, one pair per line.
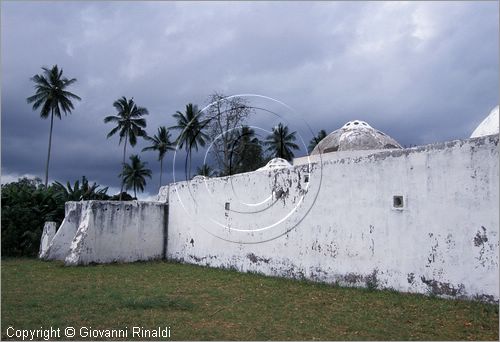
199, 303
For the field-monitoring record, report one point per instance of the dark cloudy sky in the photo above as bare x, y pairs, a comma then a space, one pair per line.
421, 72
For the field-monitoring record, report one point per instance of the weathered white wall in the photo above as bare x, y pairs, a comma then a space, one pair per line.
48, 233
341, 225
163, 194
110, 231
316, 158
61, 243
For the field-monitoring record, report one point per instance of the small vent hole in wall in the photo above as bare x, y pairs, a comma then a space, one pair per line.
227, 206
397, 202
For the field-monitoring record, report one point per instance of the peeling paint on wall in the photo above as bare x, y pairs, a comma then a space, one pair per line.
255, 259
442, 288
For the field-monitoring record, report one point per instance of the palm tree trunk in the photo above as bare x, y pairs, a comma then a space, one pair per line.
123, 163
135, 193
161, 169
189, 171
50, 144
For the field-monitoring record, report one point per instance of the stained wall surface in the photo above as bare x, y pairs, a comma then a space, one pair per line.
110, 231
60, 244
423, 219
48, 233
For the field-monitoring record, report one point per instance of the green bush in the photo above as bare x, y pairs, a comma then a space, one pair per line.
27, 205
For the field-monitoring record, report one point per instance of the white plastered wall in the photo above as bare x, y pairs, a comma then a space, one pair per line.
341, 226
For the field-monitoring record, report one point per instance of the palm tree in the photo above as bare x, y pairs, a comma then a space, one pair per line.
134, 174
280, 142
84, 192
52, 97
161, 143
205, 170
315, 140
129, 123
192, 129
246, 152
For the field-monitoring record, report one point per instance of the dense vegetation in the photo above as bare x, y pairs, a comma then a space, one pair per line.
26, 205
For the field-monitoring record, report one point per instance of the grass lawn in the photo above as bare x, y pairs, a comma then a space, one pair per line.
199, 303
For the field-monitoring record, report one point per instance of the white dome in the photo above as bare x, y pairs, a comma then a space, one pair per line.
488, 126
355, 135
276, 163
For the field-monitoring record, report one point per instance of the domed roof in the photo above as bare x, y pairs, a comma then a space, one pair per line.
355, 135
275, 163
488, 126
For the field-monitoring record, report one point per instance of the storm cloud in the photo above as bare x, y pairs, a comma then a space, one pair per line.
422, 72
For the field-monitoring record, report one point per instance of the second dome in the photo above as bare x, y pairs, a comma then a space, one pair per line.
355, 135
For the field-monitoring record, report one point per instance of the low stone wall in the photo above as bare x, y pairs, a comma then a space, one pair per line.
109, 231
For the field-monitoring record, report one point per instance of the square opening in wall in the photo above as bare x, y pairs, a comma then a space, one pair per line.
227, 206
397, 202
306, 178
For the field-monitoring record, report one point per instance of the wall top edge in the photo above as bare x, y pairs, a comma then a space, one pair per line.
368, 155
116, 203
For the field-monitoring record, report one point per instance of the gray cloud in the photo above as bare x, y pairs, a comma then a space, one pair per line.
422, 72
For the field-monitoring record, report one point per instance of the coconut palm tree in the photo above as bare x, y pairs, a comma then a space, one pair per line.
129, 123
280, 143
315, 140
160, 142
134, 174
52, 96
191, 129
83, 192
246, 152
205, 170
